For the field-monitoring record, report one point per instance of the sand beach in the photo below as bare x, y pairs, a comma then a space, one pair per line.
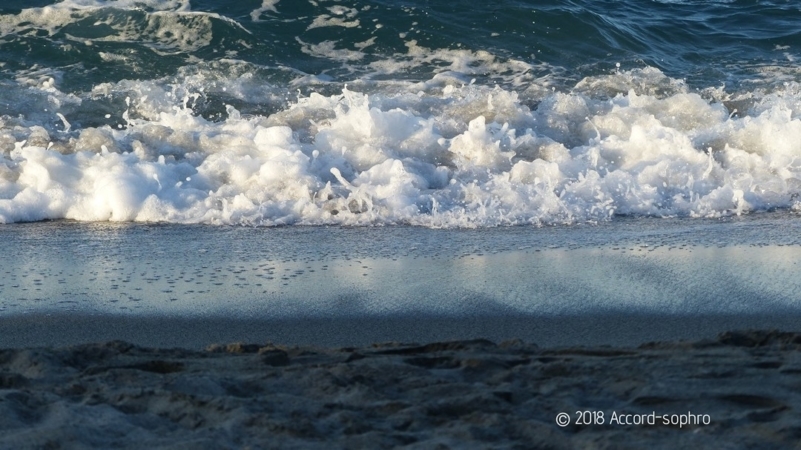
739, 390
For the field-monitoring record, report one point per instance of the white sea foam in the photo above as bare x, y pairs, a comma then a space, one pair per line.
328, 50
446, 156
266, 6
444, 152
341, 17
165, 26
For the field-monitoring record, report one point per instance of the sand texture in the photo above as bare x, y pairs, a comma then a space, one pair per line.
465, 394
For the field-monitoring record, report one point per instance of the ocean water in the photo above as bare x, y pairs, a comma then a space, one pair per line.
437, 114
671, 267
312, 160
622, 282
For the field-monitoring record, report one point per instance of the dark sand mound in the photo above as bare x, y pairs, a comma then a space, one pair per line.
465, 394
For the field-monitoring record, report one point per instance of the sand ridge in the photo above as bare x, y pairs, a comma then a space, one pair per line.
461, 394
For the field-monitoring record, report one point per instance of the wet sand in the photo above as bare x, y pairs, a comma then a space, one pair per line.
739, 390
617, 329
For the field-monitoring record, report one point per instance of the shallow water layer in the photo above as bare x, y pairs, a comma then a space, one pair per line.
642, 266
435, 122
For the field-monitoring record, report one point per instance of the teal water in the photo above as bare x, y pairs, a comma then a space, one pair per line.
705, 42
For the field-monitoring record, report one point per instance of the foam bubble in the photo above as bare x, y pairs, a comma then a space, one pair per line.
266, 6
433, 154
164, 26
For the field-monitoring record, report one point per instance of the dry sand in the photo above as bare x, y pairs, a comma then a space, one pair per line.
463, 394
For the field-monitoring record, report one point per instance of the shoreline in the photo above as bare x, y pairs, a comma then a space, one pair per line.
739, 389
612, 329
